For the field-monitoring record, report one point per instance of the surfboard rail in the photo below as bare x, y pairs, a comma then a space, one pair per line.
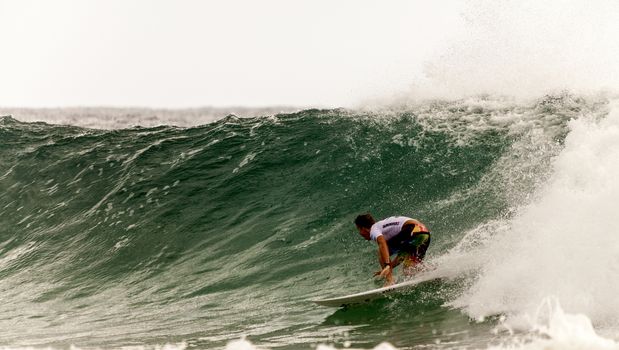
367, 296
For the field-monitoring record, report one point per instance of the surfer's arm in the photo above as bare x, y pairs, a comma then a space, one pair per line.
383, 259
380, 262
383, 251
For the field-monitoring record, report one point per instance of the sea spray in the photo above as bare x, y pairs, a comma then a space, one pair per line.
552, 328
564, 243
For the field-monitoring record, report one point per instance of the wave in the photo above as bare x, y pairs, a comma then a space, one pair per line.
202, 234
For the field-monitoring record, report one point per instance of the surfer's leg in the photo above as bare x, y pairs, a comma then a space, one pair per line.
416, 252
421, 242
409, 262
404, 259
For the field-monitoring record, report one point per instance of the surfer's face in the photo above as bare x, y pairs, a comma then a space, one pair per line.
364, 232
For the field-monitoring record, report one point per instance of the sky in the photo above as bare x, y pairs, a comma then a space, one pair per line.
187, 53
303, 53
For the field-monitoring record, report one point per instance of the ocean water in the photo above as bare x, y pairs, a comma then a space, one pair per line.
217, 236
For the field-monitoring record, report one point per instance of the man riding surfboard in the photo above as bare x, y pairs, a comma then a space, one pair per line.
406, 238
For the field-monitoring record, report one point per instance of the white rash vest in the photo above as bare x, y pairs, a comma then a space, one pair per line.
388, 227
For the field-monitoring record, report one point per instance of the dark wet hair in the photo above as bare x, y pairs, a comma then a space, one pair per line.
365, 220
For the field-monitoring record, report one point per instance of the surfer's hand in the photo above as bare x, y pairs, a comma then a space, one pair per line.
381, 272
385, 272
387, 275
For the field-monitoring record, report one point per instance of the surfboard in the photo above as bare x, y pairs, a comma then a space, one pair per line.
365, 297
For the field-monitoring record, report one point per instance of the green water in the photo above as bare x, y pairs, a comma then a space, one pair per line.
203, 235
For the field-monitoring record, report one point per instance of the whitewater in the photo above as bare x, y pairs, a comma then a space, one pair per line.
217, 234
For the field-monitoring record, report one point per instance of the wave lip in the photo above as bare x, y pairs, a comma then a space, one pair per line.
122, 118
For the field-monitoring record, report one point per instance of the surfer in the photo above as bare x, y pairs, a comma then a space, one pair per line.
406, 238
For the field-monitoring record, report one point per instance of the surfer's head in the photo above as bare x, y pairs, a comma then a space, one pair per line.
364, 223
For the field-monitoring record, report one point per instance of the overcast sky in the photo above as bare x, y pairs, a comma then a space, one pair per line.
187, 53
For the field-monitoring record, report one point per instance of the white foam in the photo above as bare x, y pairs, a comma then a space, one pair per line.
556, 330
174, 346
240, 344
243, 344
564, 244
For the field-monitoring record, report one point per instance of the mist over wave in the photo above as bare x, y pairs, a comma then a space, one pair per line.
521, 49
